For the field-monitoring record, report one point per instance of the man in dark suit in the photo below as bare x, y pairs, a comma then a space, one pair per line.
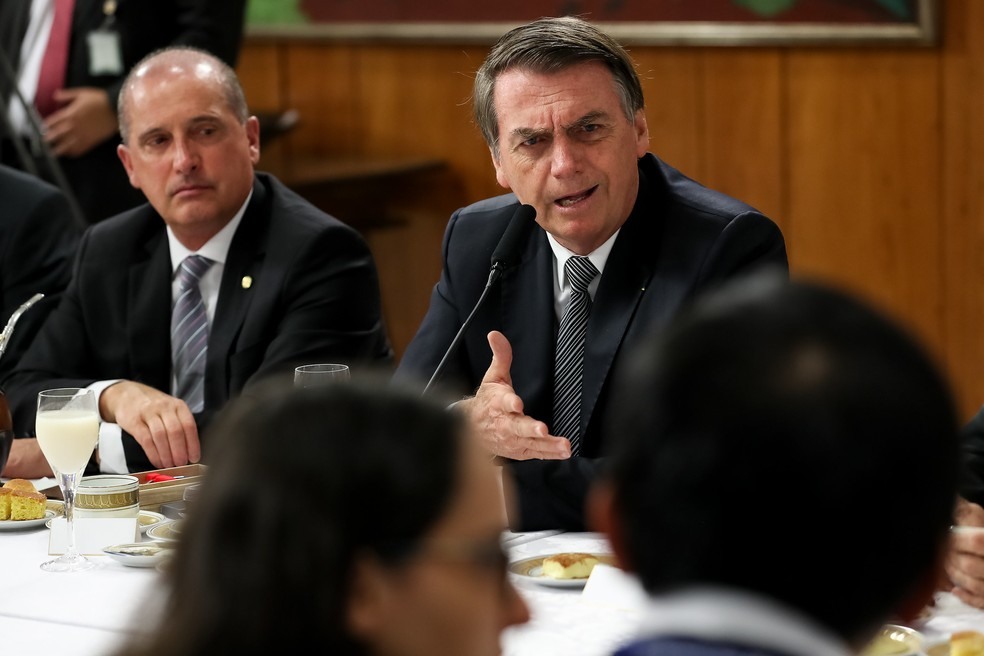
561, 108
38, 239
284, 284
783, 474
106, 40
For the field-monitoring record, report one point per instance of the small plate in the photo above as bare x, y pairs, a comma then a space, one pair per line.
18, 524
168, 531
147, 519
139, 554
532, 569
895, 640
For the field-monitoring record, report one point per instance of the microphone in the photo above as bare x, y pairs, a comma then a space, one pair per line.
505, 256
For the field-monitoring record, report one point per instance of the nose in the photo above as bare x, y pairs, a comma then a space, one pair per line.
185, 156
514, 606
565, 157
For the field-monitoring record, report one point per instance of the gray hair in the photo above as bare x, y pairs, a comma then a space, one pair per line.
549, 45
226, 76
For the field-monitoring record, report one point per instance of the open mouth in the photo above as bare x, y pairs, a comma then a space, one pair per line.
571, 201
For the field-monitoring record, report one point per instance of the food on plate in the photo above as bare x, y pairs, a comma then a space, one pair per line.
569, 565
967, 643
20, 500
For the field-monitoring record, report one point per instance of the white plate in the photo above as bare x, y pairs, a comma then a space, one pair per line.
531, 569
147, 520
168, 531
16, 525
895, 640
139, 554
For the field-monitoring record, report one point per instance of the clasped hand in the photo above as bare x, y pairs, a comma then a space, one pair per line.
162, 424
496, 413
965, 563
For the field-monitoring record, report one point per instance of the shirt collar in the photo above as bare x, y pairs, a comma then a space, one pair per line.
216, 248
598, 256
730, 615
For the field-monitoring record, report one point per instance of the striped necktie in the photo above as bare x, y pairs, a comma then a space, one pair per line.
569, 361
189, 333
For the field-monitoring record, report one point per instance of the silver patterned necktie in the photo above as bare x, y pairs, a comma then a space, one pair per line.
569, 361
189, 333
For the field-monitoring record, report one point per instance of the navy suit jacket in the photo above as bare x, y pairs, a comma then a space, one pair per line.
669, 646
680, 239
312, 296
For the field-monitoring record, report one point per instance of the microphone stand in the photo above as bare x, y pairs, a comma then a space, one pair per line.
494, 274
36, 137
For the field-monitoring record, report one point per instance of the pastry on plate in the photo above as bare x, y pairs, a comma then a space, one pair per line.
569, 565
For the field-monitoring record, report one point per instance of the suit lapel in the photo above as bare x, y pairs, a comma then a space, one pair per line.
242, 270
628, 272
528, 320
149, 294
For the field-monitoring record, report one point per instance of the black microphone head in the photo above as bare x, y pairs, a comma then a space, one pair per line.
506, 253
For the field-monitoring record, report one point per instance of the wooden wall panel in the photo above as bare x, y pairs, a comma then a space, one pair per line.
963, 198
864, 181
741, 145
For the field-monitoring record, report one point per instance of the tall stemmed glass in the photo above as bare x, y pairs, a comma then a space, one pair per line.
68, 428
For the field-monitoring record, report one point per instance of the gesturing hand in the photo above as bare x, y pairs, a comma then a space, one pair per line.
965, 562
162, 424
496, 413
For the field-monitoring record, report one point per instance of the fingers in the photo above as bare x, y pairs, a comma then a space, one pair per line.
162, 424
498, 371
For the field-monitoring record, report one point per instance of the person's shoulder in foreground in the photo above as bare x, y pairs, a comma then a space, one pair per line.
561, 109
767, 451
380, 526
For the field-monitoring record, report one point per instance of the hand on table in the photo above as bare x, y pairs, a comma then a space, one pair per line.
496, 413
84, 121
162, 424
965, 562
26, 460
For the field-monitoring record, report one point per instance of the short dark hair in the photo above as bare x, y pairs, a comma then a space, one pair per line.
785, 438
301, 483
549, 45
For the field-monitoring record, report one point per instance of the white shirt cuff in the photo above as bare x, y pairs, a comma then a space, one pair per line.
112, 459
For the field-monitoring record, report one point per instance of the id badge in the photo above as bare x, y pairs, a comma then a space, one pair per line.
105, 57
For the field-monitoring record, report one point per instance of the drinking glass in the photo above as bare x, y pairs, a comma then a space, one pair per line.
316, 375
67, 429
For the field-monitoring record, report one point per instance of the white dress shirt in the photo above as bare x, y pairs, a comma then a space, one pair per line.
111, 457
32, 53
562, 288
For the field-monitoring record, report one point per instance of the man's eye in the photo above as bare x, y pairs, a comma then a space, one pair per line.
532, 141
591, 127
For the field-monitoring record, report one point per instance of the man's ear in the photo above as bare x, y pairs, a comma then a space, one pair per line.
602, 515
124, 154
366, 613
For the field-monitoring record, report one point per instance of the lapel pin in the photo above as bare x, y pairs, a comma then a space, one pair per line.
247, 282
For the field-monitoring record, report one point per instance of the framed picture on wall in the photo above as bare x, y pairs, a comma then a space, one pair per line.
643, 22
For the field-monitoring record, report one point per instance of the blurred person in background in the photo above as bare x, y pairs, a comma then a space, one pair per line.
769, 446
224, 277
38, 239
621, 242
377, 532
70, 57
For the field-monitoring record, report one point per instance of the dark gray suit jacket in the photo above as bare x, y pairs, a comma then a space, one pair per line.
313, 297
38, 238
681, 239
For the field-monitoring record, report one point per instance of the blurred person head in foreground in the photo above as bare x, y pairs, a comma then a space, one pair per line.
377, 532
785, 475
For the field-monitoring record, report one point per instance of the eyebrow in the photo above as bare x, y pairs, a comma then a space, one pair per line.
522, 134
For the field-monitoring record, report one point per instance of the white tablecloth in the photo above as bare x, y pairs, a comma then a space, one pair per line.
88, 613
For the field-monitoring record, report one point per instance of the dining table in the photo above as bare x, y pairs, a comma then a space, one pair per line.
90, 613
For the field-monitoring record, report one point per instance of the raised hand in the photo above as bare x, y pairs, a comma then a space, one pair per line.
496, 413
